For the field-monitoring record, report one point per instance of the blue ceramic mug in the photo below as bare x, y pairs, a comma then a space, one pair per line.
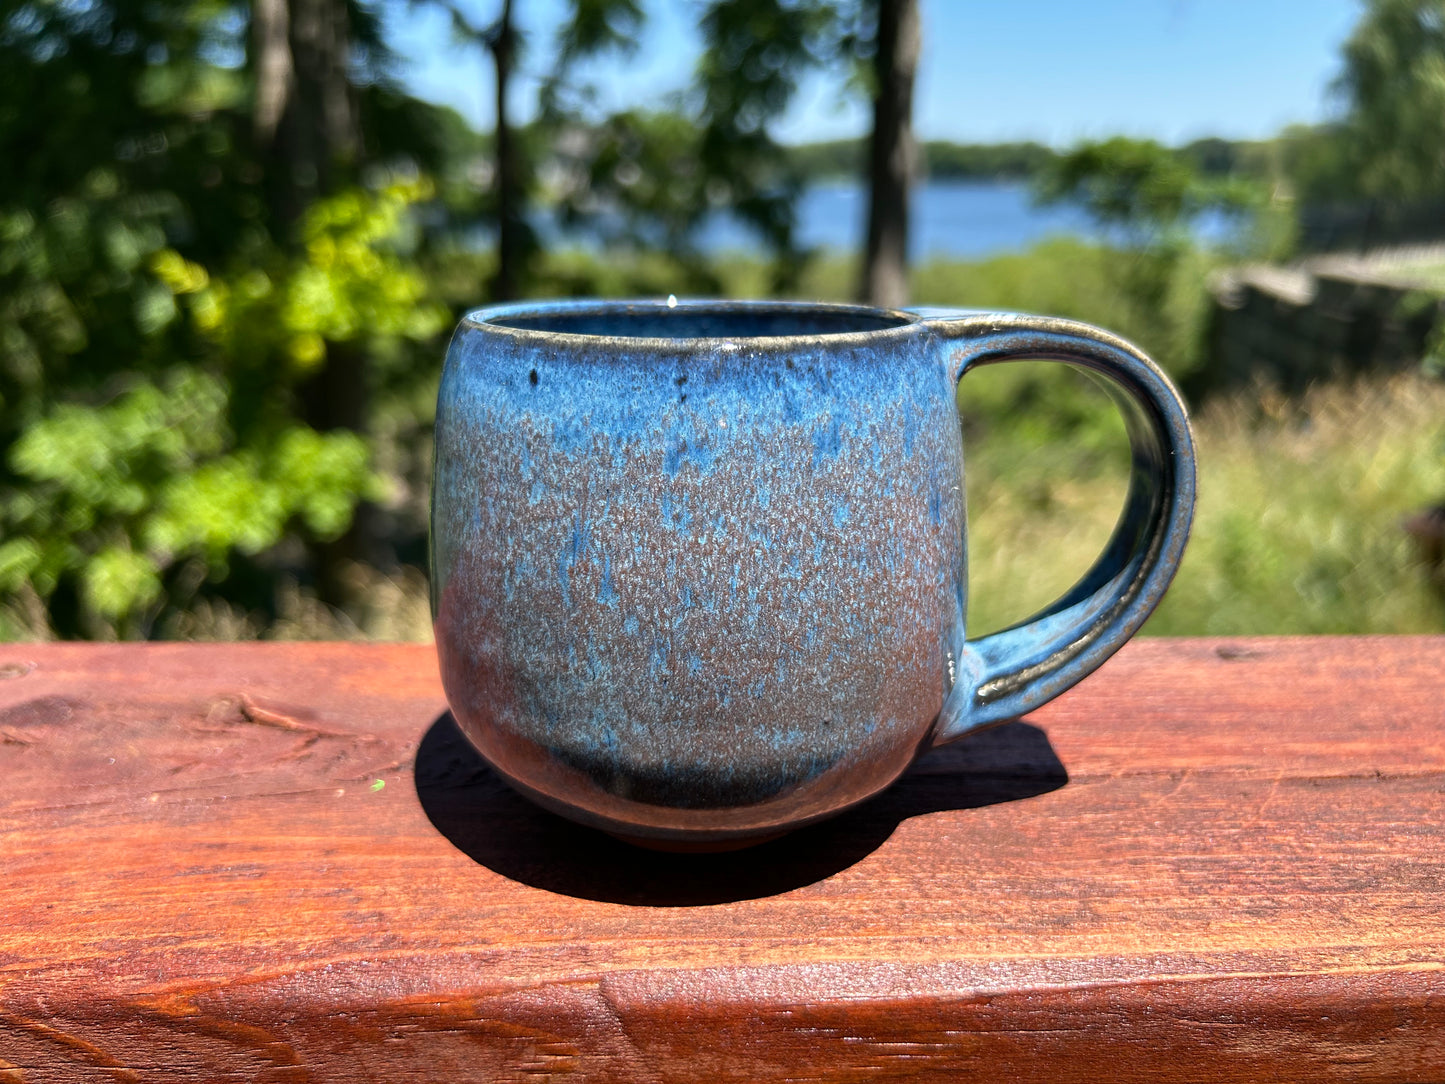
698, 569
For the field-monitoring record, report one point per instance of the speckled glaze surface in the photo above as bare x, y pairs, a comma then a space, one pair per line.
698, 572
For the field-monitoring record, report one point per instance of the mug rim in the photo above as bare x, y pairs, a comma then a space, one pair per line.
890, 323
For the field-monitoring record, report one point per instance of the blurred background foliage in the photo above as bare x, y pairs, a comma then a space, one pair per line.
232, 246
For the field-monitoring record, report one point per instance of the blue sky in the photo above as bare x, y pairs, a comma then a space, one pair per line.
1051, 70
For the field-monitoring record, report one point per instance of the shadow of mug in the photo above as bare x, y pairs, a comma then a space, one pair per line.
499, 829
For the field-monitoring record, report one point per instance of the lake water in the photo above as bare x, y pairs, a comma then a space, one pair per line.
957, 219
961, 220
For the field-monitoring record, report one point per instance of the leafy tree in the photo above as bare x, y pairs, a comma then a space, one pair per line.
1394, 83
880, 41
1321, 163
588, 28
1149, 195
754, 53
651, 178
162, 321
1140, 186
638, 186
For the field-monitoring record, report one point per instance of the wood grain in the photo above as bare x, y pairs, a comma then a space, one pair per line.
1214, 860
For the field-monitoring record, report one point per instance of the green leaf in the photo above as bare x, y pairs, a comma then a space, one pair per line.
18, 558
117, 581
324, 476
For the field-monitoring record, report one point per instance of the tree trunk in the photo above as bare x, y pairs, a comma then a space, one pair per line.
274, 67
307, 131
305, 116
892, 156
510, 237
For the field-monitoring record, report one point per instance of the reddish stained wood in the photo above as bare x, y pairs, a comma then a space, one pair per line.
1214, 860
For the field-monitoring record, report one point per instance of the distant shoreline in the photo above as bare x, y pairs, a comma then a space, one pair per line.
943, 160
939, 160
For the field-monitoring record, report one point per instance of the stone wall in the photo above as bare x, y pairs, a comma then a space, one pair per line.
1325, 316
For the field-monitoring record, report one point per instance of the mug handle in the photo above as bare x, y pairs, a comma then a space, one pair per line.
1009, 673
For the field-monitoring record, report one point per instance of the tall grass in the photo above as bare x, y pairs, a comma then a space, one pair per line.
1298, 527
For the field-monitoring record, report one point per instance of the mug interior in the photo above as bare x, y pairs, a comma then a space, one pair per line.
702, 320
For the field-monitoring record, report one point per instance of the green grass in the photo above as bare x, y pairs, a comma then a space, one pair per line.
1298, 527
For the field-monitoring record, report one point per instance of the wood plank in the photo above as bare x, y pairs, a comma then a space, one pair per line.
1214, 860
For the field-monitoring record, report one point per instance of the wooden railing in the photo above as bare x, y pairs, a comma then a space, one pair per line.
1214, 860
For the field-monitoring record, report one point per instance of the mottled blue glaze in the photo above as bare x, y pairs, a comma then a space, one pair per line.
698, 571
